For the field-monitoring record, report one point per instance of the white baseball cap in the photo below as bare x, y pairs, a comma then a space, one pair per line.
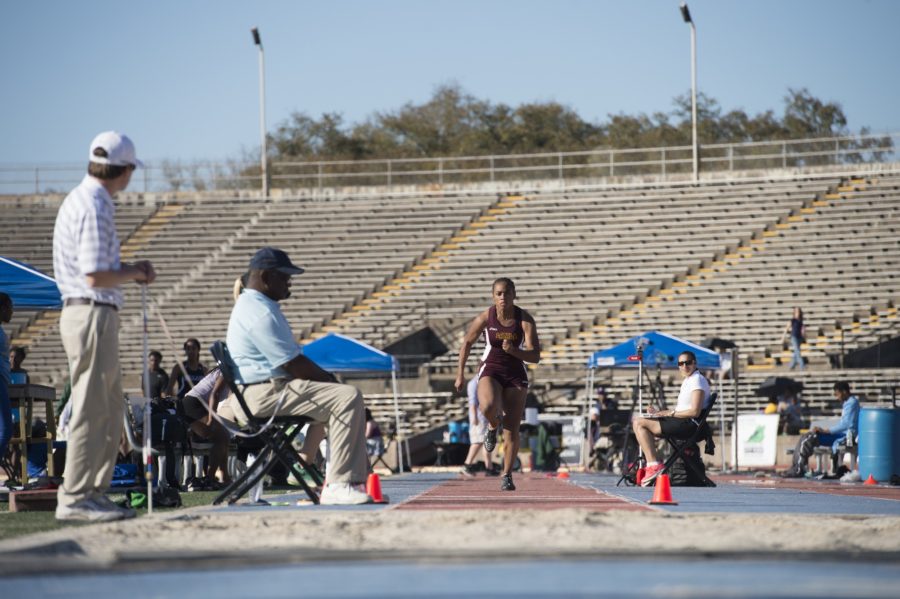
119, 150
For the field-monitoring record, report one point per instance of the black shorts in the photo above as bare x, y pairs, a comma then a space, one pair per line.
194, 408
679, 428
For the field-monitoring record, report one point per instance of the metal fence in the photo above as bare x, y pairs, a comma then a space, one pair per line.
663, 162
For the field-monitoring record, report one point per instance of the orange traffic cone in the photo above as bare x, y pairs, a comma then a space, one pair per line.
662, 491
562, 474
871, 480
373, 489
639, 476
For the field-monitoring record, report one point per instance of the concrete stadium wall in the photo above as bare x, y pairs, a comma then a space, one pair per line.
521, 186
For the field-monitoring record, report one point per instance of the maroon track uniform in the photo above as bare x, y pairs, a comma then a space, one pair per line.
504, 368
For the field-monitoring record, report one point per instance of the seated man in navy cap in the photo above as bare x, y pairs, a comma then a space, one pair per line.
269, 362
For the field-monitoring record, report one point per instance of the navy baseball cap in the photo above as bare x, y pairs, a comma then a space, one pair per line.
269, 258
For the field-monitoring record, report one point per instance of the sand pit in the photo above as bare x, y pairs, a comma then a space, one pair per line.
196, 536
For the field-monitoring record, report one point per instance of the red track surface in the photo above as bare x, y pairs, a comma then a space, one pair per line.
534, 491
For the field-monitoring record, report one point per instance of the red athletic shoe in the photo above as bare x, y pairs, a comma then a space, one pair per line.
650, 474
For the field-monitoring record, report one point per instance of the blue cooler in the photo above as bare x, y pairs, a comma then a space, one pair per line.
879, 443
455, 429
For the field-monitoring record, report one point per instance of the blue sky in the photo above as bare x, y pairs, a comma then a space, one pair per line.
180, 77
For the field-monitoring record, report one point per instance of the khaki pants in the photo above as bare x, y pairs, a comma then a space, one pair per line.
90, 336
339, 407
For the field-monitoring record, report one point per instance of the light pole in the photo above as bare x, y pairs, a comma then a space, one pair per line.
262, 113
686, 15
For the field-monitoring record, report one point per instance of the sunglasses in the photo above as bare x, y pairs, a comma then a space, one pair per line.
686, 363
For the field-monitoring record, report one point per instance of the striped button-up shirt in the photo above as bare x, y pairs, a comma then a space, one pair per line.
85, 241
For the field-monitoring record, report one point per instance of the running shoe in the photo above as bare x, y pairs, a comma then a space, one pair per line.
651, 473
490, 439
468, 471
492, 471
506, 484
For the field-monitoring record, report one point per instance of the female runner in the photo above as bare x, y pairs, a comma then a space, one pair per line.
511, 339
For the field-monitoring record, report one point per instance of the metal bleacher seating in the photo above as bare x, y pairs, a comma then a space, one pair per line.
594, 266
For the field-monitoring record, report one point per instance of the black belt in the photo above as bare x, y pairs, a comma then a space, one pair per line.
83, 301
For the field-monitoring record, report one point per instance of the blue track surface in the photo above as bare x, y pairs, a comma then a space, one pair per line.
397, 489
757, 498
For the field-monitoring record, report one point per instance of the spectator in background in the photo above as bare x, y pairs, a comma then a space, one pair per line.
16, 357
192, 366
198, 406
605, 401
158, 379
240, 284
798, 336
374, 439
477, 428
6, 424
791, 413
834, 436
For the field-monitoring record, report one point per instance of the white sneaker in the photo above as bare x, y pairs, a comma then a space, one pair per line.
344, 494
851, 477
108, 504
87, 510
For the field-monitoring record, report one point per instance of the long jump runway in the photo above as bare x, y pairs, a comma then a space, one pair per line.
534, 491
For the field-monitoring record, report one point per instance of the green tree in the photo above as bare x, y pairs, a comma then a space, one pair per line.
453, 123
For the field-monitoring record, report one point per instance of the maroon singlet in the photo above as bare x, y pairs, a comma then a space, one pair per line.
504, 368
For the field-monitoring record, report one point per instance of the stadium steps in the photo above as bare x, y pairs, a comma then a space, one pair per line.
46, 362
146, 232
585, 338
429, 263
859, 329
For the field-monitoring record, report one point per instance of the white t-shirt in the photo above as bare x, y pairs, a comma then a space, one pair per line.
691, 384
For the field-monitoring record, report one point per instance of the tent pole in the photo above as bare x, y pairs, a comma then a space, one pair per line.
721, 391
640, 390
399, 435
148, 424
589, 387
734, 429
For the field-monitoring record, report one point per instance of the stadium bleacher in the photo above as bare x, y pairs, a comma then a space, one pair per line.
594, 265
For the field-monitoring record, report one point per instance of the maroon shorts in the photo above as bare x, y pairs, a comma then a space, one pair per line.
507, 379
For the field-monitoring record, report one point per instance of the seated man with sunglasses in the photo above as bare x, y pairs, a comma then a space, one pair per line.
679, 423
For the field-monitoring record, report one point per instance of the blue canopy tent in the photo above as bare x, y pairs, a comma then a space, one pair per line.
650, 349
338, 353
660, 349
29, 288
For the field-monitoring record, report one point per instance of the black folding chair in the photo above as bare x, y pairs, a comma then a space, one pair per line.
277, 439
680, 445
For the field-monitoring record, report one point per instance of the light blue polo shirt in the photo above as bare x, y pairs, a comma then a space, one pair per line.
259, 338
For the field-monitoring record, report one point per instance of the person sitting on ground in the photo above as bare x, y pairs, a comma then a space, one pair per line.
192, 366
158, 379
680, 423
19, 375
477, 428
834, 436
198, 406
270, 365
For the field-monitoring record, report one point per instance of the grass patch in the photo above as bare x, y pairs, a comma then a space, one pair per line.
19, 524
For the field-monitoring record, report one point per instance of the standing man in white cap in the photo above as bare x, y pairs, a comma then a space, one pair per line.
88, 272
